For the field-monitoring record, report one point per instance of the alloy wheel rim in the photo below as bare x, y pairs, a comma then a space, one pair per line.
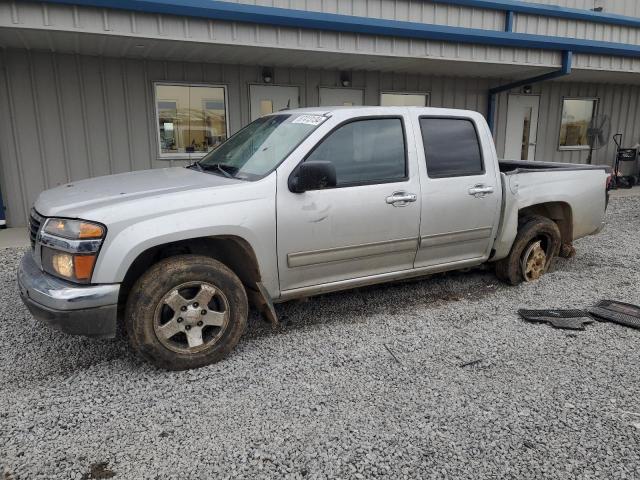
191, 317
534, 262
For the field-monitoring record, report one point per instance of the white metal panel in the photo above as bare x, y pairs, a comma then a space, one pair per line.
630, 8
405, 10
118, 33
561, 27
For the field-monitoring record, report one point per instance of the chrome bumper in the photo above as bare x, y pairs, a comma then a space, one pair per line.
90, 310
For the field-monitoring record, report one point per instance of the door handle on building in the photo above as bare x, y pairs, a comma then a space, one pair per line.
401, 199
480, 190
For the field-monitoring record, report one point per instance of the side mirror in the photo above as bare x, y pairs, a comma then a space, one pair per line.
313, 175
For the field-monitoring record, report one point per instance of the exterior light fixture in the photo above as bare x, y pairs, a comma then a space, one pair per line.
345, 79
267, 75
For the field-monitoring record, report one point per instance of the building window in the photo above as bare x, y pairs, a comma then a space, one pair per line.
191, 119
401, 99
577, 114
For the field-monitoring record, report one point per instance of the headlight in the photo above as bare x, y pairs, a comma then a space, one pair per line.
73, 229
70, 247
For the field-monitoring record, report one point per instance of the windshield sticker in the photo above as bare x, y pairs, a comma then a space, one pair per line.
310, 119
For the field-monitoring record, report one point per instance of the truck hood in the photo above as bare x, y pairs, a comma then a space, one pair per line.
89, 199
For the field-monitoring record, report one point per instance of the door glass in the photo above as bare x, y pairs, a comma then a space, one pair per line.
365, 151
451, 147
526, 133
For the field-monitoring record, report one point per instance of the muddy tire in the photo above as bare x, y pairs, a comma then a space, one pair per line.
538, 240
186, 312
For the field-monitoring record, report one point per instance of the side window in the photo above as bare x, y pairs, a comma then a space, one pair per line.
451, 147
365, 151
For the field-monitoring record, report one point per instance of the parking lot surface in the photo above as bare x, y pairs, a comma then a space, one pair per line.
436, 378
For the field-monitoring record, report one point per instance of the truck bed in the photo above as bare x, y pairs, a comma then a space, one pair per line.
511, 167
574, 195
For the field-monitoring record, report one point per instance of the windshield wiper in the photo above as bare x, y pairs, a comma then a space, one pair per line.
196, 165
217, 166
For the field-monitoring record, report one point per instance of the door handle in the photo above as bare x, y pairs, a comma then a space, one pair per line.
401, 199
480, 190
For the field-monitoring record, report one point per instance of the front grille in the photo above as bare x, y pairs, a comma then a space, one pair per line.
35, 220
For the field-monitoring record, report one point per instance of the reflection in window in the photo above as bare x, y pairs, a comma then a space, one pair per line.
365, 151
403, 99
576, 118
191, 119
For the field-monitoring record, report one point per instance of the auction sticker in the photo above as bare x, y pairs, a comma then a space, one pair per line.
310, 119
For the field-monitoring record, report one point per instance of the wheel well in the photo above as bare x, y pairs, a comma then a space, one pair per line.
559, 212
234, 252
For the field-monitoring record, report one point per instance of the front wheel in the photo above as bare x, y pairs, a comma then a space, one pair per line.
186, 312
533, 252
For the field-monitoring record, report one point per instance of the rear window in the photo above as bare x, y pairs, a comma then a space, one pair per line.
451, 147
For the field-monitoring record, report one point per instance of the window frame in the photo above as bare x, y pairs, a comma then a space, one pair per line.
475, 128
156, 126
402, 119
576, 148
403, 92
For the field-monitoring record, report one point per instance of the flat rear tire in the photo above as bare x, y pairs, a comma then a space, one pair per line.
533, 252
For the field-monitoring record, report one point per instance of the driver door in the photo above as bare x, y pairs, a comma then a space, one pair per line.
356, 229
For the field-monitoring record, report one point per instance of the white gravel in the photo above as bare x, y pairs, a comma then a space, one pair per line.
359, 384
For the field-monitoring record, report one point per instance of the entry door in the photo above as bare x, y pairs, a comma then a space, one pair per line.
368, 224
338, 97
460, 193
522, 127
267, 99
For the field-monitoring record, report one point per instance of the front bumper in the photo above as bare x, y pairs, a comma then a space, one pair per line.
90, 310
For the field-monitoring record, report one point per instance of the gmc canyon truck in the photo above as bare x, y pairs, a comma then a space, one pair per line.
298, 203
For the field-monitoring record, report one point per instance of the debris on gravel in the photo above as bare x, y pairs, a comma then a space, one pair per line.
436, 378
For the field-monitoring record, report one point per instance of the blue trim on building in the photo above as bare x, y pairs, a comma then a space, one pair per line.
532, 8
567, 60
508, 21
217, 10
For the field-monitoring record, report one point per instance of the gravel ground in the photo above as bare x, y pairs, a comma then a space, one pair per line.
435, 378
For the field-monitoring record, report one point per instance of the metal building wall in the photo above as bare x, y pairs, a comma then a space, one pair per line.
630, 8
68, 117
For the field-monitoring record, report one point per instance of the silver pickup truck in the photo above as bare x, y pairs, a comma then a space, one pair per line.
298, 203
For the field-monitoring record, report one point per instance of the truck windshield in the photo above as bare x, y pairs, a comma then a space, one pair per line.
261, 146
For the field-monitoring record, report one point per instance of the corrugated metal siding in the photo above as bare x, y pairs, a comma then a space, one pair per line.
630, 8
454, 15
560, 27
405, 10
621, 103
79, 21
68, 117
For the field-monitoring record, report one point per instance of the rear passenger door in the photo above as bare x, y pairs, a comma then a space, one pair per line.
369, 223
460, 191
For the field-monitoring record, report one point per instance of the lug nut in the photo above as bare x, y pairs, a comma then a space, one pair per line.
200, 323
180, 319
203, 312
195, 304
188, 327
183, 308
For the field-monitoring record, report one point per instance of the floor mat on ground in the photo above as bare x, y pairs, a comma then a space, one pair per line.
617, 312
567, 319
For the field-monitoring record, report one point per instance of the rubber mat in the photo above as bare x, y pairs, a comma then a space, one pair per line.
566, 319
617, 312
